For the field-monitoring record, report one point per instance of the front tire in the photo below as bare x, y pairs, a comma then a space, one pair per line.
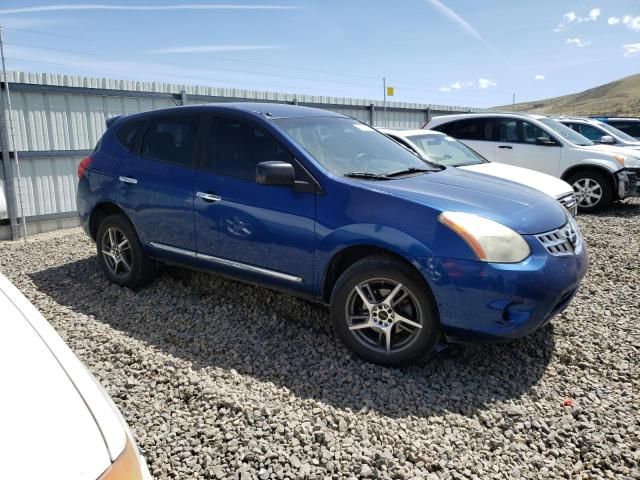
594, 190
383, 311
120, 253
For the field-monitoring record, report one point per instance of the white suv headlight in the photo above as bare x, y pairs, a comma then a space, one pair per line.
490, 241
628, 162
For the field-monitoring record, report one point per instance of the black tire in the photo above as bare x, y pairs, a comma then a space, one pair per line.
142, 269
380, 272
585, 178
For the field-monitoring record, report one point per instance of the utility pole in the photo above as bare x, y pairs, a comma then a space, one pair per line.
513, 103
384, 91
12, 135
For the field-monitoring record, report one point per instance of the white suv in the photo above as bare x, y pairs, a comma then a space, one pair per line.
600, 132
600, 174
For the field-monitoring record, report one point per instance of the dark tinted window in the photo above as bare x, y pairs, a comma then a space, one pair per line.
171, 139
128, 134
469, 129
236, 147
512, 130
531, 132
630, 128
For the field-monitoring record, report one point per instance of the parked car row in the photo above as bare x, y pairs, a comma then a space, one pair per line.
599, 174
405, 249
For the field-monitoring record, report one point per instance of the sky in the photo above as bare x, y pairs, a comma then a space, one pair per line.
453, 52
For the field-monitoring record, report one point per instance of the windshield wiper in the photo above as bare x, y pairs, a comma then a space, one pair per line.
408, 171
366, 175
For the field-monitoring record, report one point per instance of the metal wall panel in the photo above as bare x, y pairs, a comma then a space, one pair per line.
62, 112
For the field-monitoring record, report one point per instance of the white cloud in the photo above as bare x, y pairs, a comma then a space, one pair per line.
96, 6
577, 42
572, 17
613, 20
459, 85
631, 49
486, 83
632, 23
215, 48
539, 77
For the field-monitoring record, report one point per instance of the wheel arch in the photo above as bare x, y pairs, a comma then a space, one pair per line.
100, 212
568, 173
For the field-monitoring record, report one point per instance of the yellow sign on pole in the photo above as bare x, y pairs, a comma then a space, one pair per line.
390, 91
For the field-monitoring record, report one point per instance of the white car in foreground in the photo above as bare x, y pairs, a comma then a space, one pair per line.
56, 421
444, 150
599, 174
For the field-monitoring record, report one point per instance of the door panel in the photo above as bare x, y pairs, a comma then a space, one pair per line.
257, 226
155, 186
516, 146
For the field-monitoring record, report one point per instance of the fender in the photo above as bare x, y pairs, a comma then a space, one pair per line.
606, 165
367, 234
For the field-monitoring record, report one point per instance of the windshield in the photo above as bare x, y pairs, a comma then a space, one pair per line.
618, 133
445, 150
566, 132
344, 146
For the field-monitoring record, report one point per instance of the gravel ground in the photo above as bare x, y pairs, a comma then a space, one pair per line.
224, 380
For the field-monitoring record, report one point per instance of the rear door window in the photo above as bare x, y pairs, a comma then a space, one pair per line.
172, 139
470, 129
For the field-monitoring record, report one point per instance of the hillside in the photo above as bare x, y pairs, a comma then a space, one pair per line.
620, 98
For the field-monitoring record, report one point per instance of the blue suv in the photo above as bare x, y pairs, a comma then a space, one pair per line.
404, 252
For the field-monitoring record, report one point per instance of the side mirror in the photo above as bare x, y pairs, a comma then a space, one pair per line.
275, 173
607, 140
544, 141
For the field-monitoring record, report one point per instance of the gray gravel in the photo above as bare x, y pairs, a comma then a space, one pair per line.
224, 380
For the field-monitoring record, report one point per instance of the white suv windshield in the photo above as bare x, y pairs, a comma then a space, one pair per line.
618, 133
345, 146
446, 150
566, 132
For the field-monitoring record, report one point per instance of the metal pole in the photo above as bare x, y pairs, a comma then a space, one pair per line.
13, 138
384, 90
513, 103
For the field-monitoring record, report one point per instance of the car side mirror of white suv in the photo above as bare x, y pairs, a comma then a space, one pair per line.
607, 140
544, 141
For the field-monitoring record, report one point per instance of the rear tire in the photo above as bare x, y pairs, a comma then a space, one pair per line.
593, 190
391, 329
120, 253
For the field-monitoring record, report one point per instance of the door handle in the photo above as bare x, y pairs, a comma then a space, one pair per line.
508, 147
129, 180
208, 197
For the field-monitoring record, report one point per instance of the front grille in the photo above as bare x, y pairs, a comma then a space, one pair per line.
570, 203
562, 241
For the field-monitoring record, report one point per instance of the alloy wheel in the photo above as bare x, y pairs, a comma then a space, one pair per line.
383, 315
588, 192
117, 252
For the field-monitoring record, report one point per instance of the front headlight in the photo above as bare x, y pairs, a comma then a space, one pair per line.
628, 162
489, 240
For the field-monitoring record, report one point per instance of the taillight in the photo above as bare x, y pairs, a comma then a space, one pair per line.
84, 165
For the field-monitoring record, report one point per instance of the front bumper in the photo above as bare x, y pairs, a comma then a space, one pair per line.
480, 301
628, 182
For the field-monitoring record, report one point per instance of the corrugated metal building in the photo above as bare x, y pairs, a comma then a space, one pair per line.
58, 119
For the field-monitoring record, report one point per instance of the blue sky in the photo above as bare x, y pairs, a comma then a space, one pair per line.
457, 52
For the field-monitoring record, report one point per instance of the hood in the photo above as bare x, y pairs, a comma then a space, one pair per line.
552, 186
521, 208
46, 411
633, 150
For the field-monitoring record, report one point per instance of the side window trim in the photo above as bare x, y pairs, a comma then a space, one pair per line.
194, 156
209, 124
